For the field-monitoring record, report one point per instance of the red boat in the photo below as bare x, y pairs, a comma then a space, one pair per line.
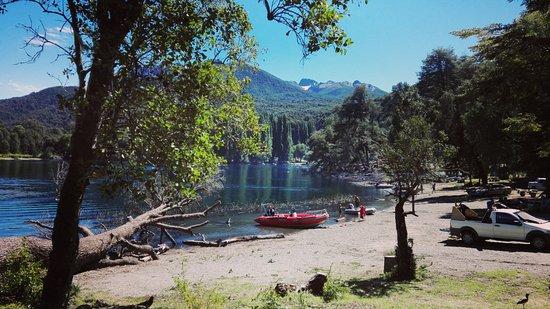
296, 220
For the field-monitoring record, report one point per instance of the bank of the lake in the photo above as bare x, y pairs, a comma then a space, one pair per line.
346, 250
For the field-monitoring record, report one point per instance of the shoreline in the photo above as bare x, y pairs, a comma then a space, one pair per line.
346, 249
23, 159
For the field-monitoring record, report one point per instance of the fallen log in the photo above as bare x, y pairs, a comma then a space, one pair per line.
94, 248
225, 242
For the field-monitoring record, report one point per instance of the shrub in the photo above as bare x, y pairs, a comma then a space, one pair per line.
268, 299
199, 298
334, 289
22, 277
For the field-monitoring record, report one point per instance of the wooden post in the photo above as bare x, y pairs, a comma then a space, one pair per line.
390, 262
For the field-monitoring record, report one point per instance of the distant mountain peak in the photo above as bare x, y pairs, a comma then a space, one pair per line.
336, 90
307, 82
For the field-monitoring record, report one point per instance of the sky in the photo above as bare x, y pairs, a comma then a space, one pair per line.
391, 38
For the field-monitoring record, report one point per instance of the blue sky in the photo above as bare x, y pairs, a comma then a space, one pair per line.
391, 37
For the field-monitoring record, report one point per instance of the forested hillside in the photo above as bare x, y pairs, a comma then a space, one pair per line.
34, 124
42, 106
290, 111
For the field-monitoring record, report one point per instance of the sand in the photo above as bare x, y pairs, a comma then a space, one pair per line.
349, 249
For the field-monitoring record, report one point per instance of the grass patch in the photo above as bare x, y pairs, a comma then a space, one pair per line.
491, 289
269, 299
335, 289
15, 156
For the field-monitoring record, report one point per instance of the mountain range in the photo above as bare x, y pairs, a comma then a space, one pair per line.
307, 98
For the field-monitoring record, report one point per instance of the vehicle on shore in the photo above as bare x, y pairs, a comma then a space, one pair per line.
496, 189
354, 211
294, 220
500, 224
383, 185
538, 184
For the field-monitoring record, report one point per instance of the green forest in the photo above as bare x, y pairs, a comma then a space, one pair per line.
32, 138
492, 108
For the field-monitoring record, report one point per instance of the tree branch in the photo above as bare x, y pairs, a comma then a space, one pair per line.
83, 230
147, 249
184, 216
185, 229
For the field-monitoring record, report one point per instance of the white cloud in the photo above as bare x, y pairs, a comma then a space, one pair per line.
66, 30
39, 42
55, 35
20, 87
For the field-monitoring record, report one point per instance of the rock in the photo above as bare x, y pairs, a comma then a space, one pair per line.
316, 284
283, 289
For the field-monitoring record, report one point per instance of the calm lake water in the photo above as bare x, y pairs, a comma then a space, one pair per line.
28, 193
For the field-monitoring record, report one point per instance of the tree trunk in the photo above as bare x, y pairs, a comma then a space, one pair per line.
483, 173
114, 21
405, 262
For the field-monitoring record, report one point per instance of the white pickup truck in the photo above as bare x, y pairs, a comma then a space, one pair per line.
502, 224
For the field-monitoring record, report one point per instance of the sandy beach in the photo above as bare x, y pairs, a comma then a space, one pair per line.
348, 250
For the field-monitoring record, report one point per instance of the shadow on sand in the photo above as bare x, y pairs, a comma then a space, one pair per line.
447, 199
491, 245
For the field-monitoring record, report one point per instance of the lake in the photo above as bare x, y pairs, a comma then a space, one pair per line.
27, 192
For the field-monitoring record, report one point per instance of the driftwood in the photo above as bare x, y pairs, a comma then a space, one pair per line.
93, 249
225, 242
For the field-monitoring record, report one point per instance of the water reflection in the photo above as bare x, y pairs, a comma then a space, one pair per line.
28, 193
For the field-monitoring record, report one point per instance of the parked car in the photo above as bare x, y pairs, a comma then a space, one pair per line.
538, 184
489, 190
502, 224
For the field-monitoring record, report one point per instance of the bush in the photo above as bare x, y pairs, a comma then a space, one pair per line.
22, 277
268, 299
334, 290
199, 298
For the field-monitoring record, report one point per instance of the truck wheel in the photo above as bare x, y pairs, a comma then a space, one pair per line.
468, 237
538, 242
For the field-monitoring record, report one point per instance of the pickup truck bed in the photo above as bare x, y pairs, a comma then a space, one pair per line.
500, 224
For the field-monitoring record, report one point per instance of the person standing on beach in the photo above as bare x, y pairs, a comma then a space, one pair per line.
362, 212
356, 201
433, 187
